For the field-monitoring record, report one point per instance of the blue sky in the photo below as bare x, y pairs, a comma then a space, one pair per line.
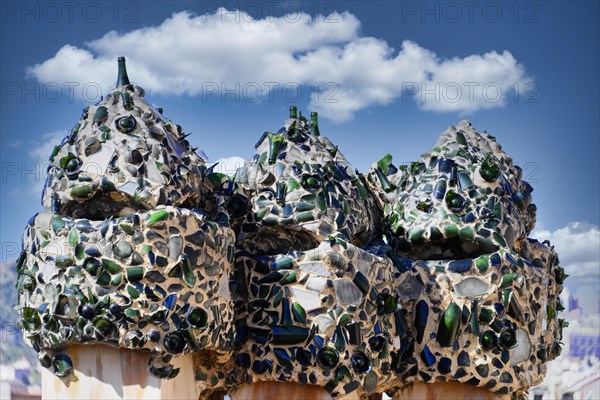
538, 60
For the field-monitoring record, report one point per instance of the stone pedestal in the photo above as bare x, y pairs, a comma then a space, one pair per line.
280, 390
104, 372
443, 391
289, 391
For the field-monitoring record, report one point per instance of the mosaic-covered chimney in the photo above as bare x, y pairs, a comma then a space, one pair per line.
122, 253
298, 269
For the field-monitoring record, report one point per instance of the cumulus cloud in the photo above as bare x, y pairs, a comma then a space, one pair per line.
15, 143
578, 248
340, 70
228, 165
39, 153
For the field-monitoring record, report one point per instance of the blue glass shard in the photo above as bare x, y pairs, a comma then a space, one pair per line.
377, 328
460, 266
427, 356
319, 341
510, 259
170, 301
445, 365
495, 259
421, 317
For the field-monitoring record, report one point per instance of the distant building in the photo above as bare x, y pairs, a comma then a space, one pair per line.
584, 344
586, 388
7, 373
575, 374
15, 382
573, 303
4, 390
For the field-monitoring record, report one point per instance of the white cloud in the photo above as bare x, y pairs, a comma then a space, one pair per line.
15, 143
578, 248
228, 165
564, 296
41, 150
40, 153
189, 54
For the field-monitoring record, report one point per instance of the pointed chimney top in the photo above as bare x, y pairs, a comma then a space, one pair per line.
122, 78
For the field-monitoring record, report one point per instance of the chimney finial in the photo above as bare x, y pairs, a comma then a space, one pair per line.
122, 78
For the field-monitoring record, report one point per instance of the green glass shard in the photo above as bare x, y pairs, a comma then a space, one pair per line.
157, 217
